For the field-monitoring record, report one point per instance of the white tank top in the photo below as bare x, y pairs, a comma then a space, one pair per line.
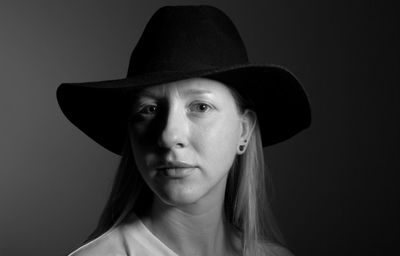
132, 238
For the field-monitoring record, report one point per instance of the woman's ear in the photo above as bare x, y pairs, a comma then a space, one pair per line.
248, 122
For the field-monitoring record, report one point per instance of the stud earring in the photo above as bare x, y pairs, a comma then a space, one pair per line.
241, 148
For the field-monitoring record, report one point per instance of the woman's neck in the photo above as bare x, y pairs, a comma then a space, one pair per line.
191, 230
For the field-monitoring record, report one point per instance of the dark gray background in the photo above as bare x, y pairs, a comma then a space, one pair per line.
336, 182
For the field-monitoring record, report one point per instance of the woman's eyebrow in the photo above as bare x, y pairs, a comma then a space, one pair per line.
186, 92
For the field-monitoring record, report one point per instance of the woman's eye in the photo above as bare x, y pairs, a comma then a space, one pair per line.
200, 107
148, 110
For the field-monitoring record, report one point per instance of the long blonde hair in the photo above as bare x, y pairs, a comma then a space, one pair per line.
246, 205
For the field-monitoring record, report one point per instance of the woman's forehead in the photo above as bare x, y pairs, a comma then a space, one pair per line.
187, 87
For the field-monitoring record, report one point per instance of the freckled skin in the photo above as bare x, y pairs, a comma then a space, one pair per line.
179, 121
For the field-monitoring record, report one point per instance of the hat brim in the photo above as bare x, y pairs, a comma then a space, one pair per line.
101, 109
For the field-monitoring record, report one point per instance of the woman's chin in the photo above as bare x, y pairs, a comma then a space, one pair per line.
179, 196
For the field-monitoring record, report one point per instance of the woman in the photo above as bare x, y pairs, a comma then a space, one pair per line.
189, 120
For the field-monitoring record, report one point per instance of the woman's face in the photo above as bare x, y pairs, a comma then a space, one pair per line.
184, 137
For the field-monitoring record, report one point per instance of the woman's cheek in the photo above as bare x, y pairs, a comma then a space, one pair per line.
217, 139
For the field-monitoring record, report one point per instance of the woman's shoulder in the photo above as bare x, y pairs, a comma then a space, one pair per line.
109, 243
274, 249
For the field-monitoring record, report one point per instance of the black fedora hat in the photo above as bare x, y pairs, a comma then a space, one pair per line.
182, 42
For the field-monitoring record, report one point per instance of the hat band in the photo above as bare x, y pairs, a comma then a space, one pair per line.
176, 67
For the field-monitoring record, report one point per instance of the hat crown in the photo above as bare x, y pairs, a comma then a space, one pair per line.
184, 38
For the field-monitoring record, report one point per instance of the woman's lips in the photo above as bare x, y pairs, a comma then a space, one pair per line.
177, 172
176, 169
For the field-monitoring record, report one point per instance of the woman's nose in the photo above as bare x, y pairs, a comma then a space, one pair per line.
175, 131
